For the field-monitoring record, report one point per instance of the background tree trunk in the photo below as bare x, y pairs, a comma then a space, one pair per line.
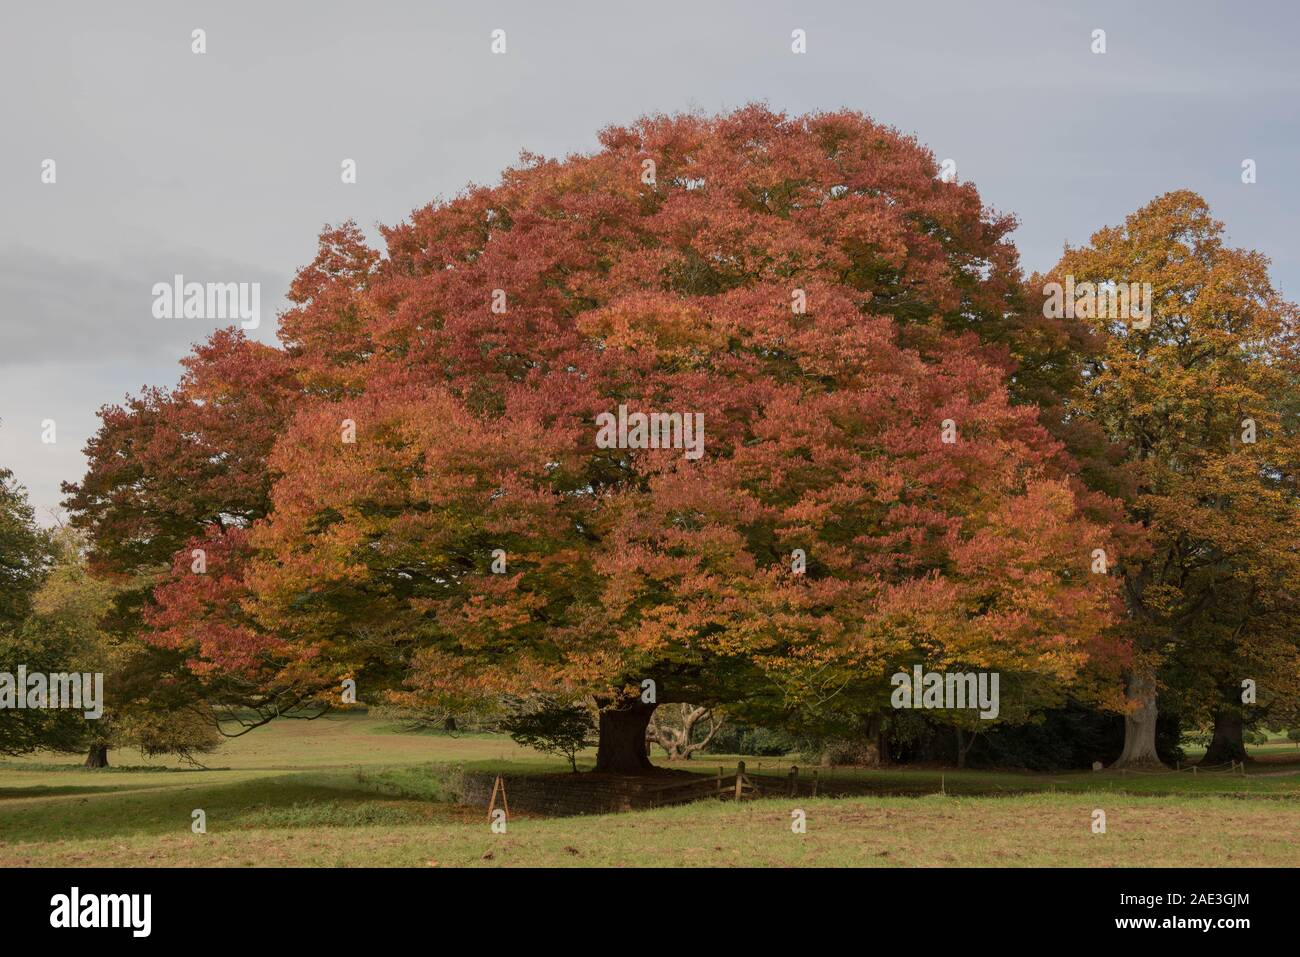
870, 748
97, 756
1140, 726
1227, 743
964, 744
623, 748
673, 727
878, 739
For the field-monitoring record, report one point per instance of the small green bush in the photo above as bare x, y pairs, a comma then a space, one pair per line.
550, 726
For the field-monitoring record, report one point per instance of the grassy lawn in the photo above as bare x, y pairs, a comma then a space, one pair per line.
345, 790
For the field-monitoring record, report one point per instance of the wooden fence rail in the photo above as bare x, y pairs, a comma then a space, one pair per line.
737, 786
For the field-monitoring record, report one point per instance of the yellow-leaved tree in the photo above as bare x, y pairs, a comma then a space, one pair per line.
1194, 376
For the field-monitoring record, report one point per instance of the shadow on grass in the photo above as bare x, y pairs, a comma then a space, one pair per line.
64, 790
358, 798
47, 768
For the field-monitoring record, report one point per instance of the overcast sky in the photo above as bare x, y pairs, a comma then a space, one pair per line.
224, 166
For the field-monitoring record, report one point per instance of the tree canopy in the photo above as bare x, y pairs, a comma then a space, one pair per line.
842, 323
1202, 401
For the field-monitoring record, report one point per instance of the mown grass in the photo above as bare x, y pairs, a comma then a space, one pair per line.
1028, 830
344, 791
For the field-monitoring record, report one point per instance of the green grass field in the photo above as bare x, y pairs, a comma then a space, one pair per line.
348, 791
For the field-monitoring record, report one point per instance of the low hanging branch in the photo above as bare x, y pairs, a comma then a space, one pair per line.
675, 737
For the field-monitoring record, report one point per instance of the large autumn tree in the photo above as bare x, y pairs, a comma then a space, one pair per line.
1201, 397
440, 523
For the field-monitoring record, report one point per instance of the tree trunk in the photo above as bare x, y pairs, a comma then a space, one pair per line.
623, 748
1140, 725
1227, 743
677, 741
872, 747
98, 756
879, 738
961, 749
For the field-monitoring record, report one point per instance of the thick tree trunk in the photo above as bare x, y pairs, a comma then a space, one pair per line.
98, 756
1227, 743
1140, 726
623, 748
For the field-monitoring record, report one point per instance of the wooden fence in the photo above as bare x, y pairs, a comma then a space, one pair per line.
737, 786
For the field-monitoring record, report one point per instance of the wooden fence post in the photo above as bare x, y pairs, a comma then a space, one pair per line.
794, 780
814, 793
740, 777
498, 785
